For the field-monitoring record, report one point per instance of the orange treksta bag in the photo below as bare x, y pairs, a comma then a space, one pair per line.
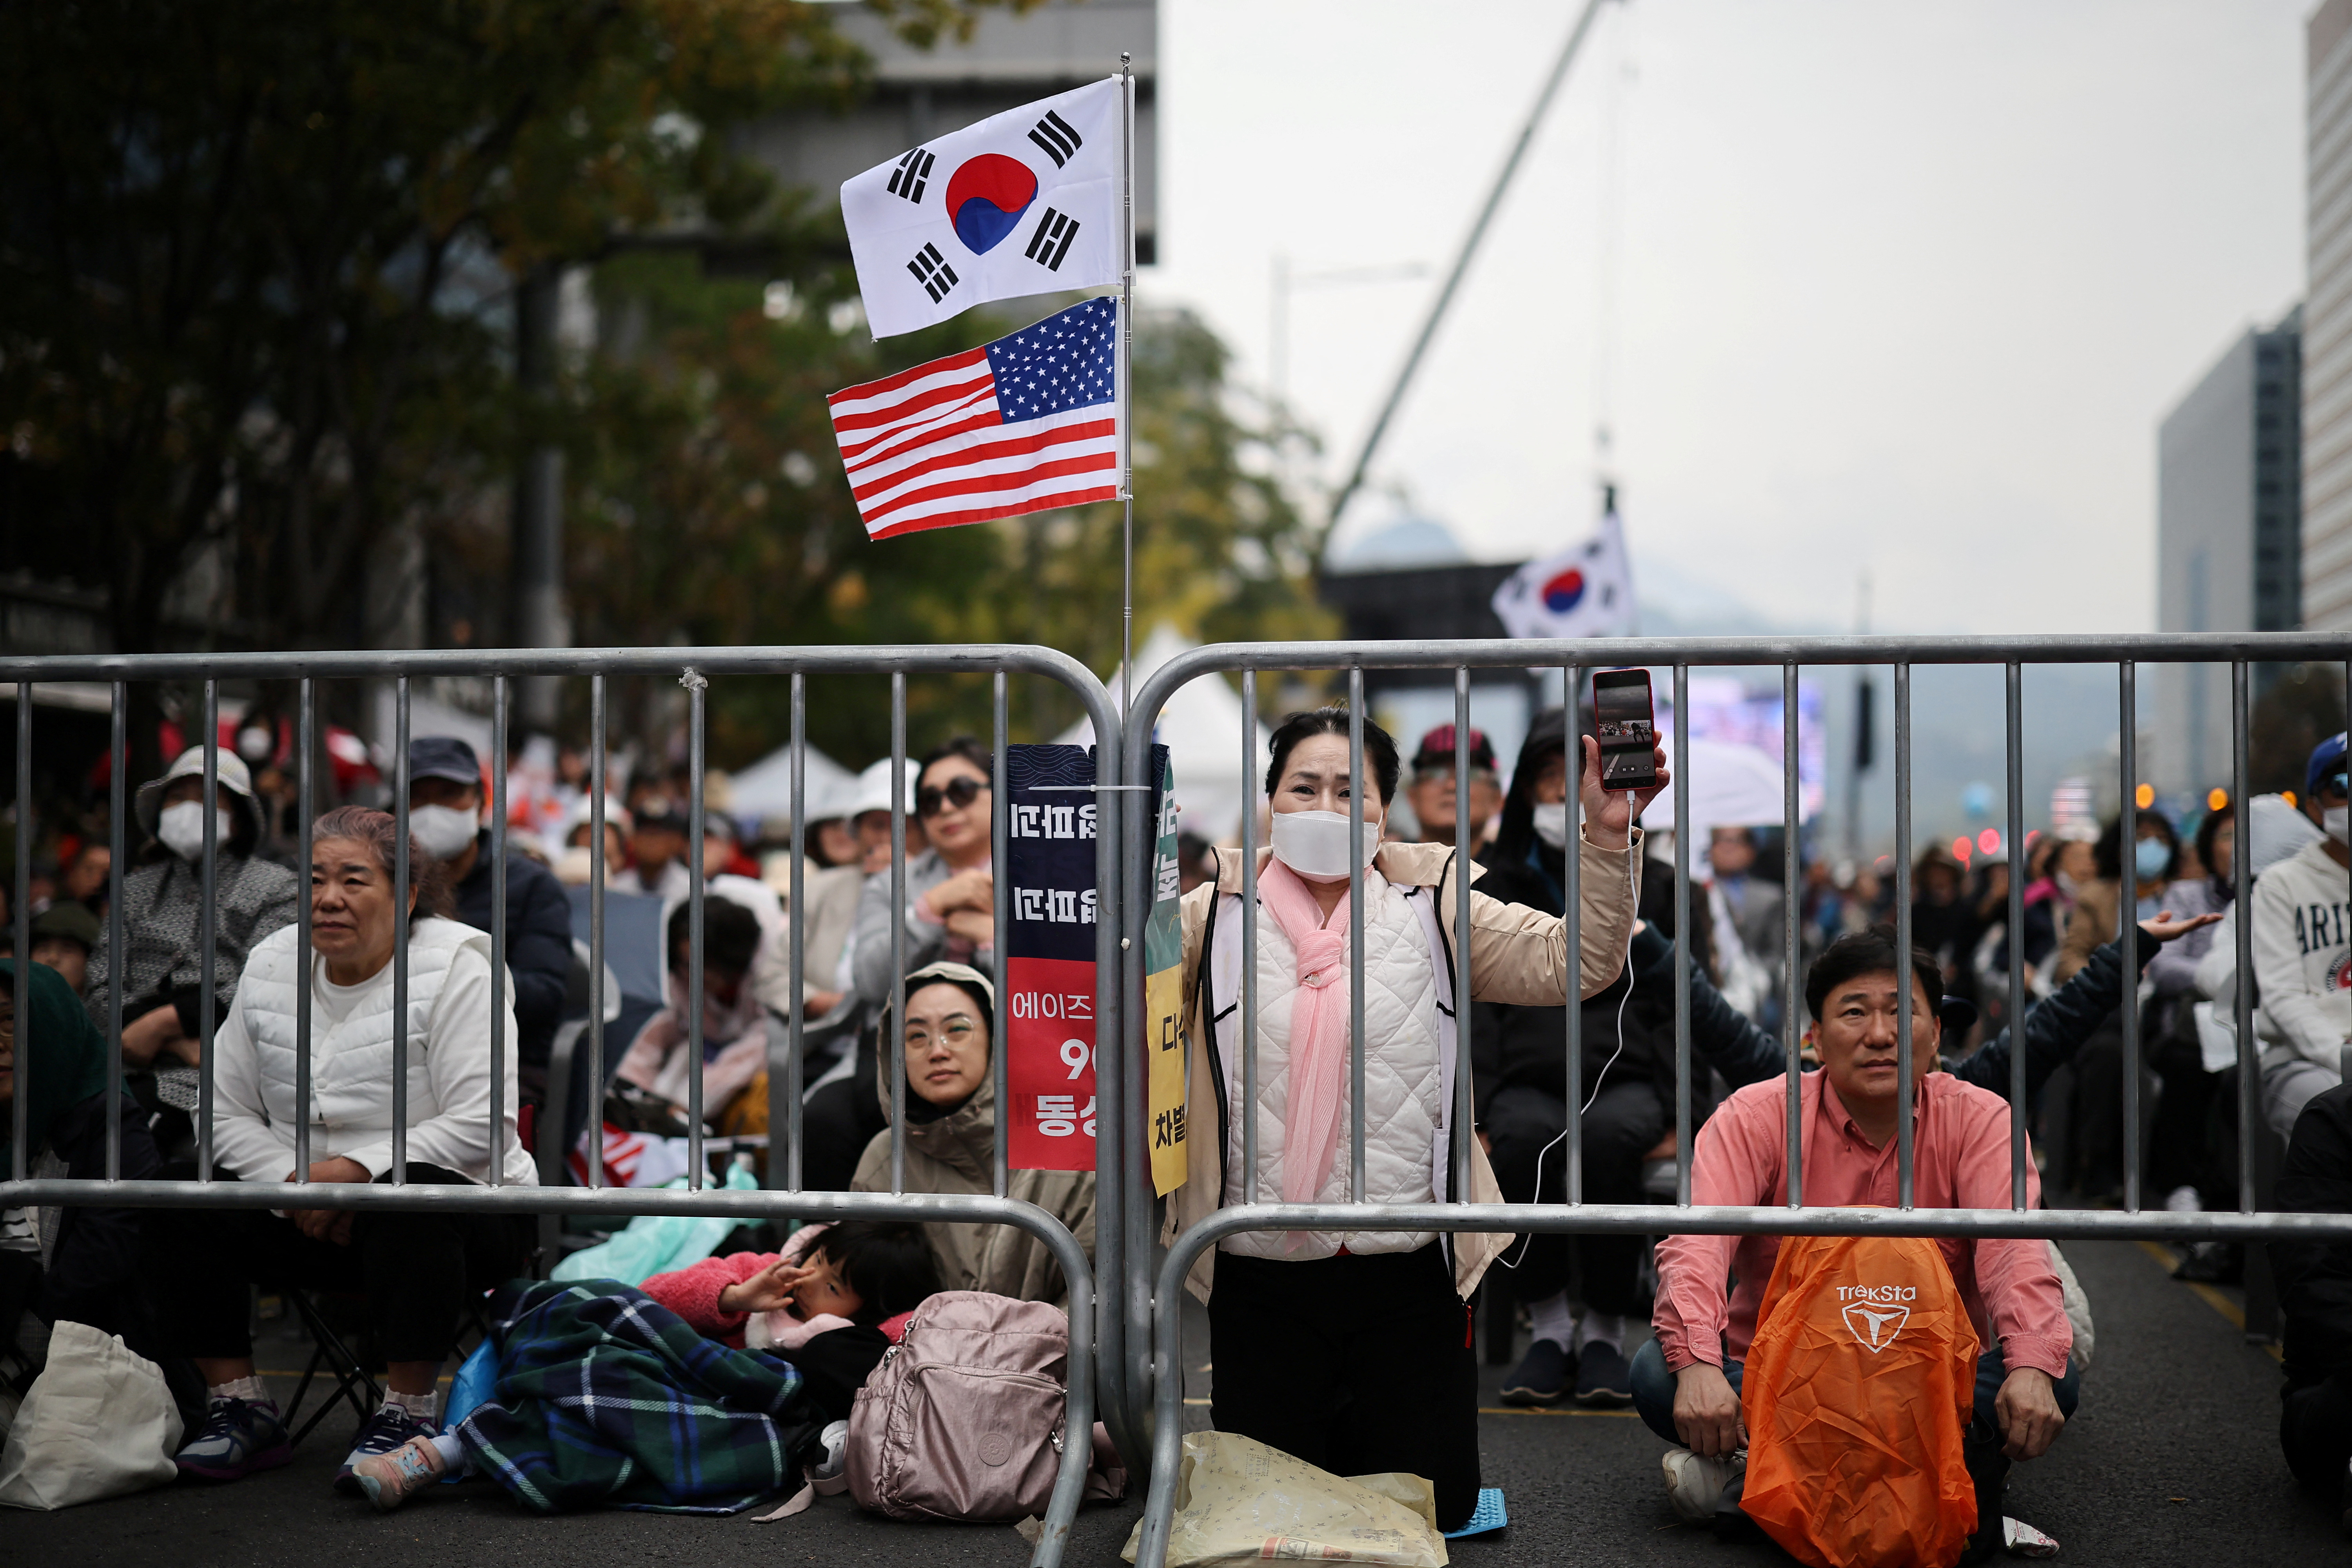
1857, 1385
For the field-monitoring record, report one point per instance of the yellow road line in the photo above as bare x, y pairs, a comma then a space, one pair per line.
2231, 1311
1512, 1410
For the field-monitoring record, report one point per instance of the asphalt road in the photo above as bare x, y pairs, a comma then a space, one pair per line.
2173, 1457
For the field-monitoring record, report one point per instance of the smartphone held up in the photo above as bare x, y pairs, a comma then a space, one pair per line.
1624, 721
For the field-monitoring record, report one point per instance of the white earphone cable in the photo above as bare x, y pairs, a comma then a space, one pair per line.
1634, 877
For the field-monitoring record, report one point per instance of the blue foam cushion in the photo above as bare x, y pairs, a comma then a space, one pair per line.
1487, 1517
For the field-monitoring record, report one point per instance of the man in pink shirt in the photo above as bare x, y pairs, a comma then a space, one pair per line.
1686, 1381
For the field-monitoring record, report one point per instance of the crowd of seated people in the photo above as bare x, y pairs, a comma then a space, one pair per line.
1297, 1322
178, 1286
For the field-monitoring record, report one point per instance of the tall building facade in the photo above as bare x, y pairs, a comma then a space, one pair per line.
2327, 319
2228, 537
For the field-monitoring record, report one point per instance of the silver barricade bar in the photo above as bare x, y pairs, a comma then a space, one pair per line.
501, 985
696, 827
1792, 928
1093, 1311
206, 930
2013, 704
1156, 1382
401, 918
1905, 1133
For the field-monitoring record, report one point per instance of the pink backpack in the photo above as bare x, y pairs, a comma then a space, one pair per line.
963, 1420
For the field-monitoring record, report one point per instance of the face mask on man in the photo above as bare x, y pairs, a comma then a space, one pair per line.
1315, 843
1551, 822
182, 828
442, 831
2150, 857
2331, 820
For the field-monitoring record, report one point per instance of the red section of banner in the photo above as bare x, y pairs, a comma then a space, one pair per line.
1049, 1063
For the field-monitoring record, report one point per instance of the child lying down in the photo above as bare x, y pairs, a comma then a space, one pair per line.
829, 1305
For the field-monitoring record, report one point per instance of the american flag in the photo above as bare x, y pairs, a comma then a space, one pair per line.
1021, 425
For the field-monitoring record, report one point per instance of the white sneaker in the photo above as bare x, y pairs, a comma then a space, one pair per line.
2183, 1199
1694, 1485
2021, 1540
837, 1451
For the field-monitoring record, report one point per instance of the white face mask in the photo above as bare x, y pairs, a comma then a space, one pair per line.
2331, 819
1551, 822
1315, 843
182, 828
442, 831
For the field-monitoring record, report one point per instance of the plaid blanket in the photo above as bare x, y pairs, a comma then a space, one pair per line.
605, 1398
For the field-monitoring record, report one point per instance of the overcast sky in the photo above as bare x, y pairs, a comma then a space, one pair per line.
1902, 288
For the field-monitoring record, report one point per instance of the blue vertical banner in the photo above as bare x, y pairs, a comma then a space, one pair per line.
1046, 983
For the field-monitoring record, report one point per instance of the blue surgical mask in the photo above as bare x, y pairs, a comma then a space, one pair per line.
2150, 857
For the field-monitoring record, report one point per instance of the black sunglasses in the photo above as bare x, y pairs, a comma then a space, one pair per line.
931, 799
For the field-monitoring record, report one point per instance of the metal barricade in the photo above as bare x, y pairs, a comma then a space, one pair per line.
1153, 1376
1096, 1325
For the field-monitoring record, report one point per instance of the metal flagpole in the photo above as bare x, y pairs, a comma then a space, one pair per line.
1126, 365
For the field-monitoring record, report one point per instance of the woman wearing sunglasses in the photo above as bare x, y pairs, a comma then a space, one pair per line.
951, 896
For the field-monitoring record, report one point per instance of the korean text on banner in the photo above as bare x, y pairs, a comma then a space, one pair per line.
1048, 984
1164, 990
1025, 201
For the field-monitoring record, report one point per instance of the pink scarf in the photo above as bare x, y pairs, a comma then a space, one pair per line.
1318, 1031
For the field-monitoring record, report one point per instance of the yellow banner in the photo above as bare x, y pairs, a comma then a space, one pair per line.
1163, 994
1163, 1007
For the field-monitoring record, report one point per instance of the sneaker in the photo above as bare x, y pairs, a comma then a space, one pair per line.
240, 1436
2020, 1538
390, 1480
835, 1438
1604, 1380
1695, 1485
2212, 1263
385, 1430
1541, 1376
2183, 1199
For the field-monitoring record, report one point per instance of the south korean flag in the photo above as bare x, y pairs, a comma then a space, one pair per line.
1025, 201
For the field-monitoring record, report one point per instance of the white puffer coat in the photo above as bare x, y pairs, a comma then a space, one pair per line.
350, 1111
1403, 1087
1517, 955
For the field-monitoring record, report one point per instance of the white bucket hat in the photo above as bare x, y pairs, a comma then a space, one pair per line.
234, 779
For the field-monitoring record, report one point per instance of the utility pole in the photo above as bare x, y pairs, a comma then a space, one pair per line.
536, 573
1470, 243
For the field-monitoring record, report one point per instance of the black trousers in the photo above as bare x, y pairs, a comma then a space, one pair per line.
836, 1124
416, 1271
1625, 1123
2315, 1431
1356, 1364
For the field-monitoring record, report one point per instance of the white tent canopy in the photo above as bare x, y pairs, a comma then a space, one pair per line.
1201, 728
765, 788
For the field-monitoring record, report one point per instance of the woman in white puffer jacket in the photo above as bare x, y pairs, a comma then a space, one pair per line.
414, 1269
1351, 1350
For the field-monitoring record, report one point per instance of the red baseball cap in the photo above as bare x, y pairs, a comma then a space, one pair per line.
1439, 743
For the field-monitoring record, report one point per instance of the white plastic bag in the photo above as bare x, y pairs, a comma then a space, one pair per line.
1238, 1500
2216, 1037
97, 1423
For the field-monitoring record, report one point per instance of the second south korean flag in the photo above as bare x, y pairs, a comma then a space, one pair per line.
1025, 201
